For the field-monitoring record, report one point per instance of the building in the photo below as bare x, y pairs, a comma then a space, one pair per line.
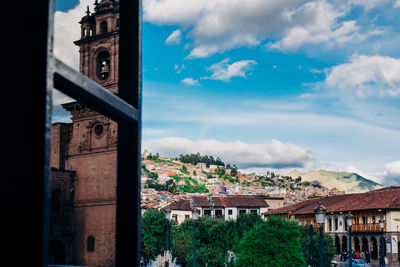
84, 154
367, 208
222, 207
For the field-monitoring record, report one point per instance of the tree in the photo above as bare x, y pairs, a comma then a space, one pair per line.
329, 248
246, 222
214, 237
182, 243
234, 170
275, 242
153, 228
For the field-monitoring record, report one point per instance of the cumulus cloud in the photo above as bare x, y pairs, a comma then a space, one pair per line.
67, 30
174, 38
225, 72
369, 4
387, 175
269, 154
190, 81
378, 75
221, 25
391, 173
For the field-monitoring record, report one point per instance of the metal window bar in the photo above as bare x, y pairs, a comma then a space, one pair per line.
28, 205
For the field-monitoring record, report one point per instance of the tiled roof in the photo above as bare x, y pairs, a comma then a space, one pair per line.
227, 201
385, 198
181, 204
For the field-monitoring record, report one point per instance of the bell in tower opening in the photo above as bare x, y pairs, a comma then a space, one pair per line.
98, 45
103, 65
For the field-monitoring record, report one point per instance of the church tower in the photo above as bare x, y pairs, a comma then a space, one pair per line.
99, 44
92, 149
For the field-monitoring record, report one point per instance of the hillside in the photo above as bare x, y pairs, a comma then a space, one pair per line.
344, 181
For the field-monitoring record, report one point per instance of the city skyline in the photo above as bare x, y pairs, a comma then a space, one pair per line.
267, 85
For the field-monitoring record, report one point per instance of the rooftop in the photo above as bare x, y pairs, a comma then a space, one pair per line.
385, 198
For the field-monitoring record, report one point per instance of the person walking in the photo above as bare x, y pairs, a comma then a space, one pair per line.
358, 254
367, 257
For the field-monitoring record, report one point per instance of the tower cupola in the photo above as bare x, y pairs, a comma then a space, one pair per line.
87, 24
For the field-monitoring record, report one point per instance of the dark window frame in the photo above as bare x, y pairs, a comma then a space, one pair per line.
90, 244
28, 194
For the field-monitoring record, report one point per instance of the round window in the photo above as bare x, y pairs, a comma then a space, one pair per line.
98, 129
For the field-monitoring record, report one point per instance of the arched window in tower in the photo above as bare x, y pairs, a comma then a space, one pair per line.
83, 32
103, 27
103, 65
90, 244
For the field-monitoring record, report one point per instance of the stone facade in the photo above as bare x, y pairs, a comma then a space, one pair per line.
87, 147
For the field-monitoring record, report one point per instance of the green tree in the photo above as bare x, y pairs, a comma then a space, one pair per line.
329, 248
182, 242
275, 242
234, 170
246, 222
153, 229
214, 237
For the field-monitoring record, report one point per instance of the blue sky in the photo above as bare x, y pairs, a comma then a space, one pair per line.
268, 84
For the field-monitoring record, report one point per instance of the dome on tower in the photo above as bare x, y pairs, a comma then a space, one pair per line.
87, 18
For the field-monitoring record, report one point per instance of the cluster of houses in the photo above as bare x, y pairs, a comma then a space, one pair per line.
368, 210
288, 198
292, 190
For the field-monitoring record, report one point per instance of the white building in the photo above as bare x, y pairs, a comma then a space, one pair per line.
223, 207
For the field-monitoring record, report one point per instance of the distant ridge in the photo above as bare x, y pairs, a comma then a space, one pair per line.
344, 181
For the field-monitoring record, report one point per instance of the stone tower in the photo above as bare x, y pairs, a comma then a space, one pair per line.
92, 149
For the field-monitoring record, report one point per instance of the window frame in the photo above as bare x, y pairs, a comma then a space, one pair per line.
28, 196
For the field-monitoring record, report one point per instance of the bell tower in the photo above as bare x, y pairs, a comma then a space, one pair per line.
92, 148
98, 46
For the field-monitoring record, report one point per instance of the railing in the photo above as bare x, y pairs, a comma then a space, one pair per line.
370, 227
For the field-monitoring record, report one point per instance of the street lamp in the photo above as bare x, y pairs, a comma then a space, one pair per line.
382, 225
311, 245
320, 215
167, 216
349, 222
195, 217
211, 205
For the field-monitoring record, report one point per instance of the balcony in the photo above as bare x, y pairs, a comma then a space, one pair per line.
370, 227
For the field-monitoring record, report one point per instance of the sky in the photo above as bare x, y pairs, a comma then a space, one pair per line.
266, 85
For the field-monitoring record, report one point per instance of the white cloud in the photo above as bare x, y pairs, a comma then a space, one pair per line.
369, 4
391, 173
269, 154
174, 38
378, 75
67, 30
225, 72
396, 4
178, 69
320, 22
190, 81
221, 25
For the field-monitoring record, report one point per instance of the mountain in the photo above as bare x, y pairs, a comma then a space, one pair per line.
344, 181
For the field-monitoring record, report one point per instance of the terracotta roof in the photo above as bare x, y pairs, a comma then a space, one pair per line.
181, 204
385, 198
163, 192
221, 201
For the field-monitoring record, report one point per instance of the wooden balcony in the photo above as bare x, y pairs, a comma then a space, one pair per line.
370, 227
